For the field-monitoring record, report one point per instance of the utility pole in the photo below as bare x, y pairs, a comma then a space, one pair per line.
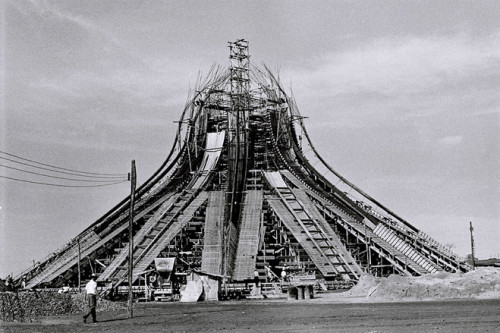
131, 240
368, 252
79, 271
472, 246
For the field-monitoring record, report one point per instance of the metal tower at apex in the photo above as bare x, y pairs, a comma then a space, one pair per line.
243, 192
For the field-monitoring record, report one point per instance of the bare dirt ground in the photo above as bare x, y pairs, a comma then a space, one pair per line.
321, 314
441, 302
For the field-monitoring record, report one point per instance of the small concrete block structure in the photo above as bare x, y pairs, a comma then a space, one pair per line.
300, 292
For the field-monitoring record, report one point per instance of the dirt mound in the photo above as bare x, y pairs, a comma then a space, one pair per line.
481, 283
28, 306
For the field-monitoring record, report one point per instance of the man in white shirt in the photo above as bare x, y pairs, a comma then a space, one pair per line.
91, 291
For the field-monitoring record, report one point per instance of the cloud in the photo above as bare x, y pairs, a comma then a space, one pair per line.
88, 59
393, 80
50, 11
389, 66
451, 140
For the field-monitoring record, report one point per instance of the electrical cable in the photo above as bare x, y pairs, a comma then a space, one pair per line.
64, 178
67, 173
55, 167
60, 185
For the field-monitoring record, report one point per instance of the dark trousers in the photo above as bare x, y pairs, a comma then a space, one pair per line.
92, 304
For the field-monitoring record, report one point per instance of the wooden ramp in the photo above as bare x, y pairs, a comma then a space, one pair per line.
169, 219
312, 249
64, 261
390, 237
248, 241
144, 254
310, 229
211, 260
343, 256
147, 229
159, 244
386, 250
89, 242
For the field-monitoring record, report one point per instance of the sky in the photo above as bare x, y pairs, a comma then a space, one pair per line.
401, 98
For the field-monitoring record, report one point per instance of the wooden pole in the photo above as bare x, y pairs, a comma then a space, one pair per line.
472, 246
79, 271
130, 241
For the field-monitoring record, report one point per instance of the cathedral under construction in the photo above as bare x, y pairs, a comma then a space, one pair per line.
242, 194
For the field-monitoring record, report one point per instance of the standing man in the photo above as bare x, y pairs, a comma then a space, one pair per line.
283, 273
91, 291
256, 278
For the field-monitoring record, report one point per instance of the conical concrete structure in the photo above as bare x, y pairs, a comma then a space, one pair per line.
243, 189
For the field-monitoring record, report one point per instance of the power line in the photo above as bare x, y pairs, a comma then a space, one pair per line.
59, 185
55, 167
67, 173
64, 178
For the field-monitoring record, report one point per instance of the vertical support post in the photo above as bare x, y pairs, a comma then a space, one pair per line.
367, 248
131, 240
79, 271
472, 246
369, 253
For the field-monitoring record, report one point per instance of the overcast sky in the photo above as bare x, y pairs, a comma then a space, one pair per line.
401, 98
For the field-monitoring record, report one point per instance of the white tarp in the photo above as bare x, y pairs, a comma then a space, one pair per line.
201, 288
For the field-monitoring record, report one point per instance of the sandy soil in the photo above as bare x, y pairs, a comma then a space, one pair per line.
322, 314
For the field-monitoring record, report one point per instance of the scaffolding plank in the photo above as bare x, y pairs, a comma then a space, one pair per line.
172, 230
378, 244
274, 178
333, 240
291, 224
211, 261
70, 257
150, 224
248, 241
388, 235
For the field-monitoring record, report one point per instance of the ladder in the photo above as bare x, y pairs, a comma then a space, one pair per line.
390, 237
379, 245
324, 249
151, 223
145, 253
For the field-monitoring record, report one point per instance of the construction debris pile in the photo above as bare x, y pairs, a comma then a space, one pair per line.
481, 283
28, 306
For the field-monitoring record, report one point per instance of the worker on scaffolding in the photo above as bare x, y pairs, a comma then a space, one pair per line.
256, 277
270, 276
283, 273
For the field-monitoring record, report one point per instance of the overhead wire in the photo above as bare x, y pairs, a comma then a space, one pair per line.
61, 185
63, 172
63, 178
72, 171
87, 177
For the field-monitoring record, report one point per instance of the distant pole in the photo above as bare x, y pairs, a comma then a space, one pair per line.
79, 271
368, 253
472, 246
130, 240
